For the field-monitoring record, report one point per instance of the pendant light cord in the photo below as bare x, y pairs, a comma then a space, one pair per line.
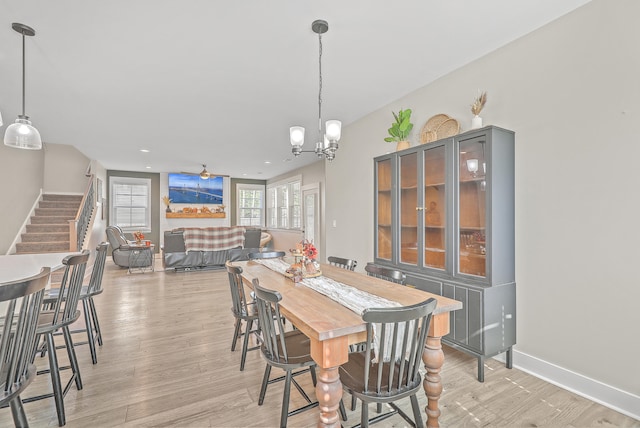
23, 76
320, 139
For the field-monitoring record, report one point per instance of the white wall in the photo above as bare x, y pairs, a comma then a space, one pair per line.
21, 177
64, 169
571, 92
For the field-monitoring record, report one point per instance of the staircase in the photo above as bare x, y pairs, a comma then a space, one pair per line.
49, 228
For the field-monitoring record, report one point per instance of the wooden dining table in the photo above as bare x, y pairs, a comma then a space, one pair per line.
331, 328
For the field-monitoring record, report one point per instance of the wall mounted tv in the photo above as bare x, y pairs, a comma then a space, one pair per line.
191, 189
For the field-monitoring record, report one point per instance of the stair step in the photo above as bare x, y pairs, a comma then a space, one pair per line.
41, 247
51, 220
67, 198
46, 237
59, 204
57, 212
47, 228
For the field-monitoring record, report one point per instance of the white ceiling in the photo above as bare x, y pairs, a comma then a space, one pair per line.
204, 81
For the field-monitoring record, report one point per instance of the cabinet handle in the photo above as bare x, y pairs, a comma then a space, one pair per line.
419, 208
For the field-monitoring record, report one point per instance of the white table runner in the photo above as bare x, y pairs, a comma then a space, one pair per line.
348, 296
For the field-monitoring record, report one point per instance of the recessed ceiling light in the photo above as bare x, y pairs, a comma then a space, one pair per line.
144, 150
267, 162
148, 167
245, 174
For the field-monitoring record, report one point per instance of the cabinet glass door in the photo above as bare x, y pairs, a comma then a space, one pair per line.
435, 204
409, 207
383, 209
472, 207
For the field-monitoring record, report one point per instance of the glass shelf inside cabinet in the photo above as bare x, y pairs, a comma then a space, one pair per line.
434, 208
384, 201
472, 207
409, 208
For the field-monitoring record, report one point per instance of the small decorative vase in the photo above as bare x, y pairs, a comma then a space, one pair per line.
476, 122
168, 209
310, 267
402, 145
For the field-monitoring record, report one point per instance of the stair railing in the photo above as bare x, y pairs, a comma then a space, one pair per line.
79, 225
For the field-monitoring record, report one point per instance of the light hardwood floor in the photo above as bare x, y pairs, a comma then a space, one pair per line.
166, 362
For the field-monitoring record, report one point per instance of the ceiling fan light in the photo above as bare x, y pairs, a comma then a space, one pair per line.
205, 174
22, 135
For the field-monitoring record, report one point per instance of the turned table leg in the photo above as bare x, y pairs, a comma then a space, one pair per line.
329, 394
433, 358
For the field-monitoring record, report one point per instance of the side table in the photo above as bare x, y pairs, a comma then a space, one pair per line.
141, 257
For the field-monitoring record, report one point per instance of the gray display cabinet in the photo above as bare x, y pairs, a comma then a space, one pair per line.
444, 214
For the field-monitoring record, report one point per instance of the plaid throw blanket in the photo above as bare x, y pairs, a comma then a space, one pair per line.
212, 238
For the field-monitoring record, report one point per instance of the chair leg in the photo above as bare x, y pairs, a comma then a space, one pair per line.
72, 356
314, 378
87, 321
364, 415
17, 411
265, 382
96, 324
245, 343
417, 414
236, 333
353, 402
55, 379
343, 411
284, 412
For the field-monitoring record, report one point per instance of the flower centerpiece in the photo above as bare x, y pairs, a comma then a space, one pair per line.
305, 264
138, 236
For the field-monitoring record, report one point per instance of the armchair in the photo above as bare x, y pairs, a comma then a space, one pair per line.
121, 247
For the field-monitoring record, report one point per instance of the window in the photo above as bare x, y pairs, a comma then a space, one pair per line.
130, 203
250, 200
284, 208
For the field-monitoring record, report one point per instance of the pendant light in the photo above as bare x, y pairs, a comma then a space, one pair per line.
327, 143
22, 134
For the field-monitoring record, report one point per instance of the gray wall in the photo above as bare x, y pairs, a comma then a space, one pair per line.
154, 235
571, 92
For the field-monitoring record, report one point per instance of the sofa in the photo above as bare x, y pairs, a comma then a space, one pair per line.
205, 248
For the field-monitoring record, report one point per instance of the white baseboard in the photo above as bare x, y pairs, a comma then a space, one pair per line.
609, 396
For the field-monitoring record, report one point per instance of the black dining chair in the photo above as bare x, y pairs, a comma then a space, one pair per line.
391, 372
23, 301
286, 350
266, 255
59, 315
385, 273
243, 311
343, 263
88, 292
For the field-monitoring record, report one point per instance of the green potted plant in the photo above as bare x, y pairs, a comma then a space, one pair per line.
400, 129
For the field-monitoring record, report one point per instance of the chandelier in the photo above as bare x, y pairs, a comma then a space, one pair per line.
327, 143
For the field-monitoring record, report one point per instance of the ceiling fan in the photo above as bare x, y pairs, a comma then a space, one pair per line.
204, 174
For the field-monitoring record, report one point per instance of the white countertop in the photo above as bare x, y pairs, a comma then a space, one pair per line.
18, 266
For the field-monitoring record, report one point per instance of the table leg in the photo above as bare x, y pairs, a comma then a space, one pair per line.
329, 394
433, 358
